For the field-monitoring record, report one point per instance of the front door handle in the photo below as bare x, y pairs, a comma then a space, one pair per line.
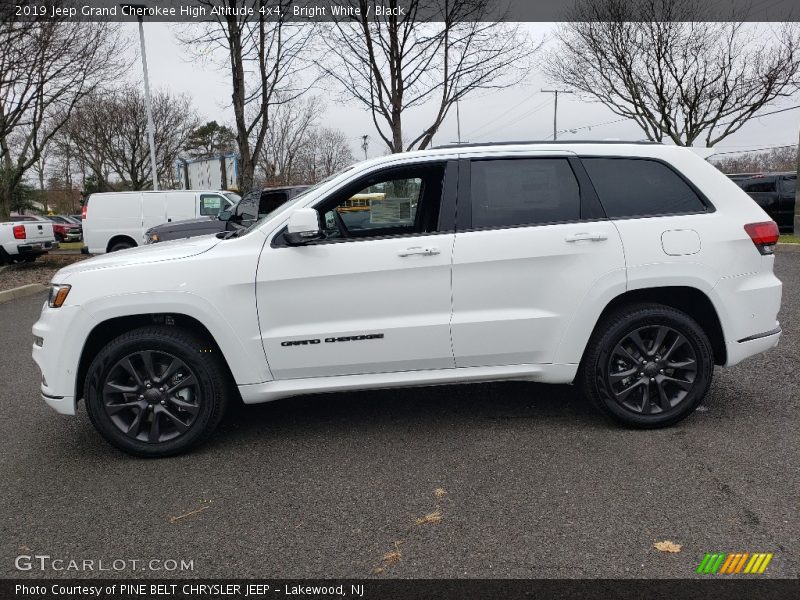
589, 237
419, 250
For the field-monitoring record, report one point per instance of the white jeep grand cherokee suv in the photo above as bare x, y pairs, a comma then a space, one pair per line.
629, 269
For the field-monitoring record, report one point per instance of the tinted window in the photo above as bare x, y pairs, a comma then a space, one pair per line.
523, 192
630, 187
758, 184
789, 185
270, 201
400, 202
247, 209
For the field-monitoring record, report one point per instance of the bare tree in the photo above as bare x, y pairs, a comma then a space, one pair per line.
263, 53
772, 160
437, 53
288, 138
45, 68
333, 152
110, 133
665, 65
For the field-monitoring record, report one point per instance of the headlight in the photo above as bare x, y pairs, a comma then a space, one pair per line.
58, 294
151, 237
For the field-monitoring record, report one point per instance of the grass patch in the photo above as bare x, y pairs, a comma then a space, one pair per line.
70, 245
789, 239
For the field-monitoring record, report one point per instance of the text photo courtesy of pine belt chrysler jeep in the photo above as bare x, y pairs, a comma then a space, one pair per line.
628, 269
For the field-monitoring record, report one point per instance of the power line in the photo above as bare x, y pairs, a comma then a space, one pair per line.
755, 150
500, 116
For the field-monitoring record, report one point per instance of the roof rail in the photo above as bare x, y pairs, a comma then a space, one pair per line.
525, 142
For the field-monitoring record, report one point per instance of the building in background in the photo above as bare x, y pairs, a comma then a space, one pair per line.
219, 172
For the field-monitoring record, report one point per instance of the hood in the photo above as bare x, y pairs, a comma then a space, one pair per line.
173, 250
208, 222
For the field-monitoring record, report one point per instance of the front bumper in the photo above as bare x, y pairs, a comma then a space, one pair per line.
58, 358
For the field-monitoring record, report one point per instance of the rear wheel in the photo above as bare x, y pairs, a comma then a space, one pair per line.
648, 366
120, 246
156, 391
5, 259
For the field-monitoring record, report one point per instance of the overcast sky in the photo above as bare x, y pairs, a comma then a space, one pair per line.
518, 113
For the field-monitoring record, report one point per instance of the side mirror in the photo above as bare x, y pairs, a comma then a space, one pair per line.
303, 227
224, 215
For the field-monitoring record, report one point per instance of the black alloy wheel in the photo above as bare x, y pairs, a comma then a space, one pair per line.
151, 396
157, 391
647, 365
652, 369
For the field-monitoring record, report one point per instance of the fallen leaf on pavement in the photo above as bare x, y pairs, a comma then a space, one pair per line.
433, 517
667, 546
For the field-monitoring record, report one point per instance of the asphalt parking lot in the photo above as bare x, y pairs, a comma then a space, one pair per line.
532, 482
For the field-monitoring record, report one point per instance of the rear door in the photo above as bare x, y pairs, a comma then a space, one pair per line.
531, 244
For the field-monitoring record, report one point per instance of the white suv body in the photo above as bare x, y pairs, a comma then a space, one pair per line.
459, 264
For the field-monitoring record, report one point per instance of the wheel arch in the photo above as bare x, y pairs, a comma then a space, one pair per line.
687, 299
105, 331
120, 238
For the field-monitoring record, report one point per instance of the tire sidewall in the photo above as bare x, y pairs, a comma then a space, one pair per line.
644, 318
118, 349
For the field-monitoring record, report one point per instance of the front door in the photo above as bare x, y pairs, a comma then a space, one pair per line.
374, 295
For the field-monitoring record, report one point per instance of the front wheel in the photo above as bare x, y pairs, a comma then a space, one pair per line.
156, 391
648, 366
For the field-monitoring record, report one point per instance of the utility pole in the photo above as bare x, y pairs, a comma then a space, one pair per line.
555, 109
148, 107
458, 121
365, 145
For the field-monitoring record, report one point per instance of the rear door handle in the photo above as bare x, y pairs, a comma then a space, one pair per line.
589, 237
419, 250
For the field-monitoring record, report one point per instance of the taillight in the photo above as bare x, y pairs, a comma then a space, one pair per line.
764, 235
83, 210
19, 232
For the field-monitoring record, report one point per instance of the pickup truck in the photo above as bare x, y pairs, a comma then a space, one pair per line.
24, 241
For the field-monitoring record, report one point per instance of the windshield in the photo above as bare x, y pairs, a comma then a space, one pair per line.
234, 198
291, 203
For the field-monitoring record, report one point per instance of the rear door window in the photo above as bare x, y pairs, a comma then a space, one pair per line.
523, 191
637, 187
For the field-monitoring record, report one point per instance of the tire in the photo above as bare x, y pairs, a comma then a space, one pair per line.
661, 391
120, 246
59, 238
5, 258
143, 419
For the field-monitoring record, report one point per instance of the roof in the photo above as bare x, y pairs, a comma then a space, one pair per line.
541, 142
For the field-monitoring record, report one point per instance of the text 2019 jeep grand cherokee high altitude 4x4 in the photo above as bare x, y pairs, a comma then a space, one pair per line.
630, 269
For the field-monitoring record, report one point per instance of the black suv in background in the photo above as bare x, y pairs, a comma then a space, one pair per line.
252, 207
774, 192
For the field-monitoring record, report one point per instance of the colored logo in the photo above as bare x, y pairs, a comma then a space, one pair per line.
723, 563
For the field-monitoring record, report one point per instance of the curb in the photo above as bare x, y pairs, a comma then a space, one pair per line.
22, 291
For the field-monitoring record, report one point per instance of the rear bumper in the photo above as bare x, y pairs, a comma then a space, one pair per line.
36, 248
752, 345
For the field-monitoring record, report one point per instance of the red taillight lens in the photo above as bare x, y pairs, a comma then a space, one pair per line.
19, 232
764, 235
83, 210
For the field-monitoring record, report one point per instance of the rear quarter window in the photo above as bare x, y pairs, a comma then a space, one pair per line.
636, 187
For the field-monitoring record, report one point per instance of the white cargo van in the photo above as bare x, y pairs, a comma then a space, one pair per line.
117, 220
